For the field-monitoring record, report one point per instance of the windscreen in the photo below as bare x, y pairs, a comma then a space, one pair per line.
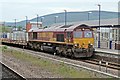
88, 34
77, 34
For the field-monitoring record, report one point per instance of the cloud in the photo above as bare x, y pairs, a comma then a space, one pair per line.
61, 9
29, 1
54, 1
12, 9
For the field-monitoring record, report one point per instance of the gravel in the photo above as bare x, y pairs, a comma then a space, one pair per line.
27, 69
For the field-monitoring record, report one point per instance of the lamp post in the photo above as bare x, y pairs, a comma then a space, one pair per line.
42, 19
26, 21
65, 17
26, 28
89, 15
15, 32
56, 19
37, 19
4, 26
99, 26
15, 24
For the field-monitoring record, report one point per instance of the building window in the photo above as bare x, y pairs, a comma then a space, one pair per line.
116, 35
102, 36
119, 35
113, 34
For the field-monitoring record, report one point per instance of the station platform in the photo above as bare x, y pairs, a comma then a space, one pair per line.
109, 51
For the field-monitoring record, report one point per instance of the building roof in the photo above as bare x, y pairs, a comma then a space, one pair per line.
73, 25
36, 22
102, 22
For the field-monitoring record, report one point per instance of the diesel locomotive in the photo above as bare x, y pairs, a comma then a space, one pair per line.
69, 40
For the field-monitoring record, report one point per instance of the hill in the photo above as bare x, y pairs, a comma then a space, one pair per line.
71, 17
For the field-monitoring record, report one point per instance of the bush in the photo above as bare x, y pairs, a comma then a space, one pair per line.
5, 47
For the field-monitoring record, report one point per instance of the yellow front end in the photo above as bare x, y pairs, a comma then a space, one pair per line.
83, 42
83, 47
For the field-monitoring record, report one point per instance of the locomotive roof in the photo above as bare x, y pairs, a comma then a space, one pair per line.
59, 28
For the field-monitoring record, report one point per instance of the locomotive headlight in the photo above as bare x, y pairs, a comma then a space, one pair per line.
76, 45
69, 40
83, 29
91, 44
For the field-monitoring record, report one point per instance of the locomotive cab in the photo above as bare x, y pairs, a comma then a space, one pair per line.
83, 40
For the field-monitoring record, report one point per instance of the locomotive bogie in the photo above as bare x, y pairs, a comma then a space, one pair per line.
82, 52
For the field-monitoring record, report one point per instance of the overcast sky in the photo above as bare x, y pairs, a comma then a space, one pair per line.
18, 9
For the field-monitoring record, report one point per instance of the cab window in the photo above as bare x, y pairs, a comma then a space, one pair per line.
68, 34
88, 34
34, 35
60, 37
77, 34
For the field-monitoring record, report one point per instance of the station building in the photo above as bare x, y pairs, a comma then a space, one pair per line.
33, 25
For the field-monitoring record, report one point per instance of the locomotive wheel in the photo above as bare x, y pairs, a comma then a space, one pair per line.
72, 56
57, 52
64, 53
41, 48
60, 54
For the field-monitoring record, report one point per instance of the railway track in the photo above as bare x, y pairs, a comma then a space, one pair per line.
110, 65
9, 73
77, 62
104, 63
73, 62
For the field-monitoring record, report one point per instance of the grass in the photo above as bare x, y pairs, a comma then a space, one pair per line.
57, 68
5, 29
